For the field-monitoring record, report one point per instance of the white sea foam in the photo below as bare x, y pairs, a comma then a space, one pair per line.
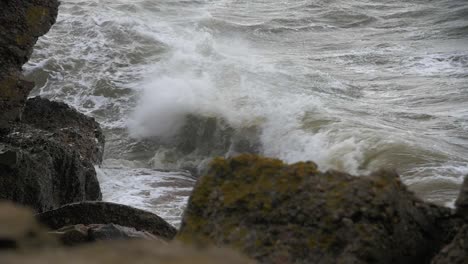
325, 82
164, 193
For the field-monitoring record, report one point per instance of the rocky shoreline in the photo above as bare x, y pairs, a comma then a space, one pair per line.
247, 209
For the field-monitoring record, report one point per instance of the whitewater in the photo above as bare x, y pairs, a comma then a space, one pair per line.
352, 85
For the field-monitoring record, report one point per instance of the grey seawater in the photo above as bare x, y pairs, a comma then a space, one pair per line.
352, 85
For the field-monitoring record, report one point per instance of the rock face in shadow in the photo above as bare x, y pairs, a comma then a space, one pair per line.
456, 252
461, 203
47, 160
88, 213
21, 23
279, 213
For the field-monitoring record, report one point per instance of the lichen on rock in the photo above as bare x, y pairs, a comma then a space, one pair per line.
279, 213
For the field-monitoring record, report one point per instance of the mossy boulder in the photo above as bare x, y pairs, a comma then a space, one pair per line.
280, 213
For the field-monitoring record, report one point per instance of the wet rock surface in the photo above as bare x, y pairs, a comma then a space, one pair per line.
88, 213
74, 129
47, 160
278, 213
21, 23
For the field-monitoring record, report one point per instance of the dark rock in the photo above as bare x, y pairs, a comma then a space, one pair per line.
124, 252
462, 200
80, 234
76, 130
21, 23
46, 161
19, 230
456, 252
278, 213
39, 169
88, 213
73, 235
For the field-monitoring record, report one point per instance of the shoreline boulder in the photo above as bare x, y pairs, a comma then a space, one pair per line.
40, 171
47, 150
88, 213
46, 161
279, 213
71, 127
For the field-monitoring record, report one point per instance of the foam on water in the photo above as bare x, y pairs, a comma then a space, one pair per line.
351, 85
165, 193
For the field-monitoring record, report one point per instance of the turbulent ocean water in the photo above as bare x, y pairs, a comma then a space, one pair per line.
353, 85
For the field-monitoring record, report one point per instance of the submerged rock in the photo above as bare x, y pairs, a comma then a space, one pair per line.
88, 213
21, 23
278, 213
